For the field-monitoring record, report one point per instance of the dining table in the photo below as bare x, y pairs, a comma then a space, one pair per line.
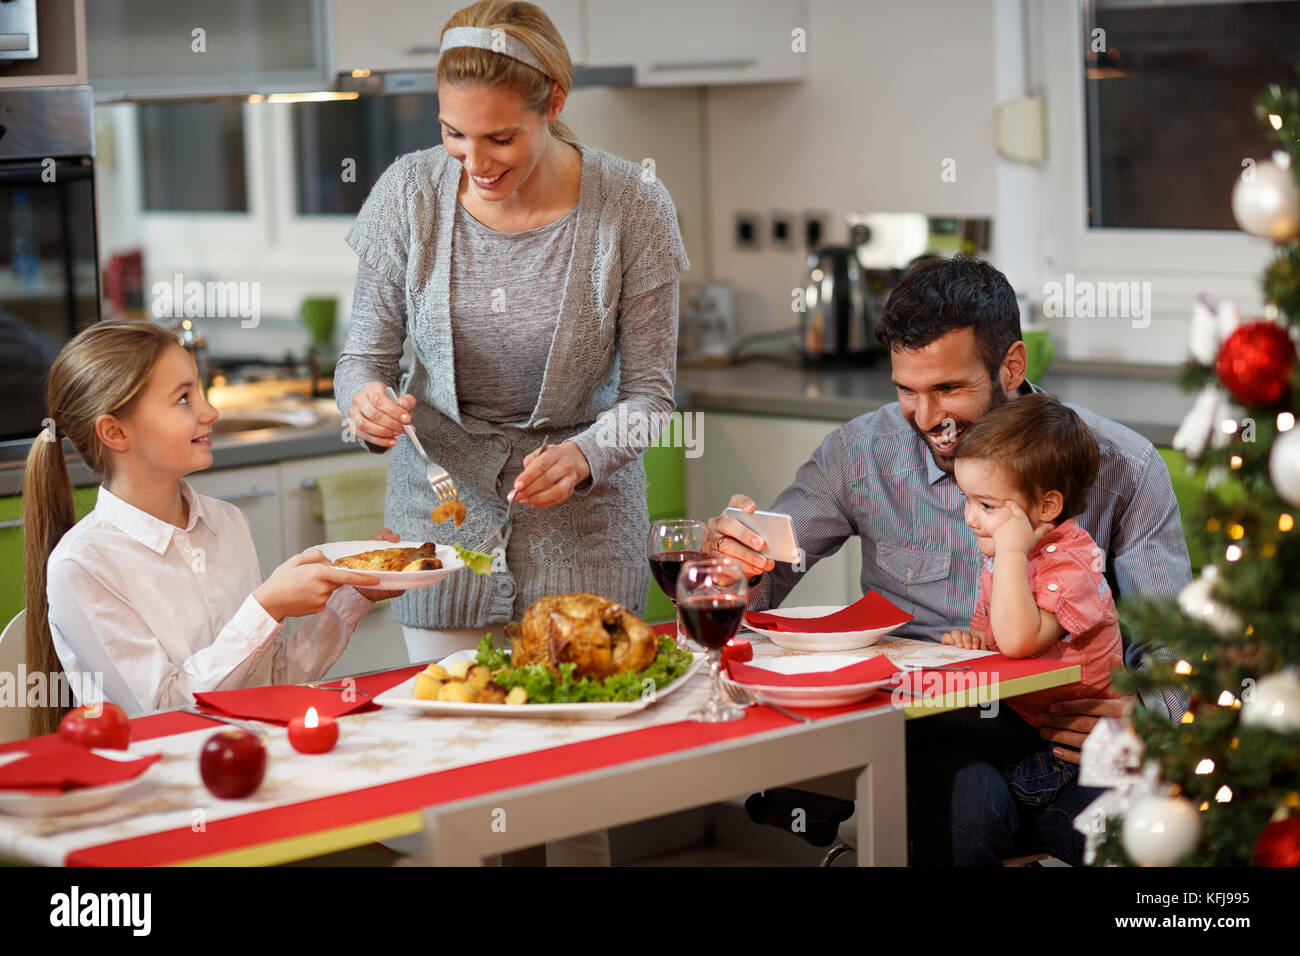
478, 786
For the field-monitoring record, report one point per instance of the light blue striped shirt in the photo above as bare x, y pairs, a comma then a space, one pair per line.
874, 477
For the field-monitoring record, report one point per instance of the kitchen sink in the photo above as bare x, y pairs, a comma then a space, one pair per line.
239, 422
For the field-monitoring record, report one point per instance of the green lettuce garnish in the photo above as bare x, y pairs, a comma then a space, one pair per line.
476, 561
544, 686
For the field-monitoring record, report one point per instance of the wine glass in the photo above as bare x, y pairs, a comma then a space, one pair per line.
673, 542
711, 603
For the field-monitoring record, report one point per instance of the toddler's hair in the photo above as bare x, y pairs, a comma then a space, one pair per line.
1042, 444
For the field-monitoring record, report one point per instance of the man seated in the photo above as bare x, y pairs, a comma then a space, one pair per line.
953, 330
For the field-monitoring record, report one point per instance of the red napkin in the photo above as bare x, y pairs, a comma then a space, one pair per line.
871, 669
64, 766
866, 614
281, 703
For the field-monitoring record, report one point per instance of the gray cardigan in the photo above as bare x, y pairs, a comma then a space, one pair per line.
608, 362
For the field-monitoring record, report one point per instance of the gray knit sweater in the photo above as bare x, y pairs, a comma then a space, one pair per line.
608, 362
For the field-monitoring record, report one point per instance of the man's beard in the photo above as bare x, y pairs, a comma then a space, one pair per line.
954, 428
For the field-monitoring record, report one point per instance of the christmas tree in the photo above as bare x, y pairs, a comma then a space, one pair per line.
1222, 786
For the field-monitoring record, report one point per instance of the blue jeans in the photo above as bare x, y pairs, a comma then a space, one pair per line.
981, 789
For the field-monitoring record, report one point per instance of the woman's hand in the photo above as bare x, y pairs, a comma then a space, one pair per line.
304, 583
373, 594
970, 640
376, 418
550, 474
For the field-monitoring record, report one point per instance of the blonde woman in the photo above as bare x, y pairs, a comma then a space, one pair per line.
537, 281
157, 593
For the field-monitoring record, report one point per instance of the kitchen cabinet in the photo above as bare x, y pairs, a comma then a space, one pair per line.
387, 35
256, 492
60, 48
687, 43
758, 456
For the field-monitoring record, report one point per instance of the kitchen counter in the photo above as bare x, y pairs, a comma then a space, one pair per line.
1145, 398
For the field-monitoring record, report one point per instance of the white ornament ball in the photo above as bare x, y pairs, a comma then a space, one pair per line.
1274, 703
1268, 202
1284, 466
1196, 602
1160, 831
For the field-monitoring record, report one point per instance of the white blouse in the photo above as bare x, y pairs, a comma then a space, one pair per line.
156, 613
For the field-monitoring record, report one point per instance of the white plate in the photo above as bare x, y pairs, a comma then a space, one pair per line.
395, 580
20, 804
403, 695
825, 641
831, 696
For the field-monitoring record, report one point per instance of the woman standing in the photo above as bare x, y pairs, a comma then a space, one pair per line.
537, 281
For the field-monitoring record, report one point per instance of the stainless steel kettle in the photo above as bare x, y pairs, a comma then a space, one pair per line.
835, 326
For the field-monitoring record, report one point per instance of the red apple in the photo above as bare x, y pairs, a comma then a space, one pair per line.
232, 763
96, 725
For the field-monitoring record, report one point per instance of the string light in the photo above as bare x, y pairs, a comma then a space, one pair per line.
1235, 743
1226, 699
1229, 426
1233, 553
1187, 717
1275, 120
1224, 794
1236, 532
1182, 667
1235, 461
1285, 421
1205, 766
1213, 525
1285, 522
1205, 805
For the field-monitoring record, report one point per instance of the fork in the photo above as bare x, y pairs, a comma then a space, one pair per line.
355, 690
439, 480
745, 696
498, 536
194, 711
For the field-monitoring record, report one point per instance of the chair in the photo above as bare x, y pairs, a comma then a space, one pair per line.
13, 658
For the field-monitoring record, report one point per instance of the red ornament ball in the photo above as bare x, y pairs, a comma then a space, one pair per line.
1255, 363
1279, 843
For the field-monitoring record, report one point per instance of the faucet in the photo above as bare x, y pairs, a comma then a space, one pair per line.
195, 342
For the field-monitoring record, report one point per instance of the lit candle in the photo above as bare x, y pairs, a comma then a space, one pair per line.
313, 734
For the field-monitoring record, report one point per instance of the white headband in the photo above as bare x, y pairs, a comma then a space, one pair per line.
498, 41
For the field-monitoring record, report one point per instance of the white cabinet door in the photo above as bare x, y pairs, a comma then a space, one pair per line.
689, 43
404, 34
758, 456
300, 515
256, 491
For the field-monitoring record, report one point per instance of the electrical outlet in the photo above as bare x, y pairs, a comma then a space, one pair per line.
814, 230
747, 229
781, 231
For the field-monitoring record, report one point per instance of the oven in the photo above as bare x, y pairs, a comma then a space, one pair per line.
49, 263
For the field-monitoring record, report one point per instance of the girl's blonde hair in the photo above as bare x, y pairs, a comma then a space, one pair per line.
528, 24
103, 371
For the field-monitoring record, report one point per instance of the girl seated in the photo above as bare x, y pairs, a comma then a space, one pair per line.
157, 593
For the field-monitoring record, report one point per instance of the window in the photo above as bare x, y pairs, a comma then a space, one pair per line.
371, 131
193, 156
1170, 95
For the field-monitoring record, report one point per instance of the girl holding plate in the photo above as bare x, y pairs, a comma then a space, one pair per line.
536, 279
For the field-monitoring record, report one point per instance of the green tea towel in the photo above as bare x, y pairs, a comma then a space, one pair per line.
352, 503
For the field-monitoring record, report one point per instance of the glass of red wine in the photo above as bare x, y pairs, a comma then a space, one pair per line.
711, 603
672, 543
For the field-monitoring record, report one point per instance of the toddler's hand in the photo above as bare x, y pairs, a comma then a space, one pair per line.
1015, 533
964, 639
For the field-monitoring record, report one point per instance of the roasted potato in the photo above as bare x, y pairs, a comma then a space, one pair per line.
438, 671
457, 692
492, 694
426, 687
459, 670
517, 695
478, 676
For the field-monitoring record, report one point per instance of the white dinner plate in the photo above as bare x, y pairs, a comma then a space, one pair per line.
403, 695
832, 696
395, 580
815, 641
20, 803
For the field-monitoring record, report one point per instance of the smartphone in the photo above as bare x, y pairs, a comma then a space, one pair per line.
776, 530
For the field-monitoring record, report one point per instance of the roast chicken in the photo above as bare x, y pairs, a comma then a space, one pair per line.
423, 558
599, 636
